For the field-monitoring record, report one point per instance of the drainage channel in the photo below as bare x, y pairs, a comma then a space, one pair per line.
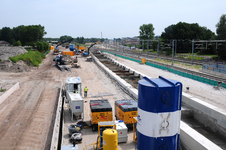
133, 81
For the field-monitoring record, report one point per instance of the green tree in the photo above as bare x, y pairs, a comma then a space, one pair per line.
46, 46
186, 31
65, 38
30, 34
40, 46
17, 43
16, 32
169, 32
7, 35
80, 40
221, 28
222, 51
146, 31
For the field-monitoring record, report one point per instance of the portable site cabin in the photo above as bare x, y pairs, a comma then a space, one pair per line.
73, 91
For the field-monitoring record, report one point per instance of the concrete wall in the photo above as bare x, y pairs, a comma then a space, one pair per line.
192, 140
9, 92
207, 114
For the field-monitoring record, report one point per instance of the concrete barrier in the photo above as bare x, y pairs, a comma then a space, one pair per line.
211, 116
192, 140
9, 92
56, 129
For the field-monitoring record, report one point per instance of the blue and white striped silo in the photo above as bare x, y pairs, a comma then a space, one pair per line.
159, 114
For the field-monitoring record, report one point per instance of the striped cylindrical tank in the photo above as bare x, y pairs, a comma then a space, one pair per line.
159, 114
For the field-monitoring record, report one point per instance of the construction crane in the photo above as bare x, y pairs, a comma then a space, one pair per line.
86, 54
56, 49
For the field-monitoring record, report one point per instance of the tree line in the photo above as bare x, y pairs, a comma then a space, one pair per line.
184, 33
31, 35
27, 35
80, 40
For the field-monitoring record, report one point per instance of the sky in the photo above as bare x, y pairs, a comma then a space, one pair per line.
112, 18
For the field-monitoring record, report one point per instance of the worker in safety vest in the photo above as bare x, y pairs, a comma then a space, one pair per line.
85, 91
76, 91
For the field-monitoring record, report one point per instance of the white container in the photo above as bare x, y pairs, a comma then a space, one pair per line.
76, 104
73, 88
122, 131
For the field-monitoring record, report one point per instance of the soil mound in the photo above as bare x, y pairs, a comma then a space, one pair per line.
6, 52
8, 65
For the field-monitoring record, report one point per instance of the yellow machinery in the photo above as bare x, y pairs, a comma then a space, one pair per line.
110, 139
100, 111
81, 48
102, 126
135, 129
107, 140
52, 48
125, 110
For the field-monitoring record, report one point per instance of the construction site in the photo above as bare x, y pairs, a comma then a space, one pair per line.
110, 99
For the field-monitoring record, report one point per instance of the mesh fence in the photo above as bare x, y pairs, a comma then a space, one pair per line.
184, 74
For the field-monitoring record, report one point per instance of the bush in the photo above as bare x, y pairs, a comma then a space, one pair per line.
17, 43
46, 46
40, 46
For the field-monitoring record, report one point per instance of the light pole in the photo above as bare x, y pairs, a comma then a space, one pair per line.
172, 51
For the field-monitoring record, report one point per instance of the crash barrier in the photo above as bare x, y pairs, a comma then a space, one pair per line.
9, 92
184, 74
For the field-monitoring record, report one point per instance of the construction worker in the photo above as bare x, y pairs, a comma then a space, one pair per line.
85, 91
76, 91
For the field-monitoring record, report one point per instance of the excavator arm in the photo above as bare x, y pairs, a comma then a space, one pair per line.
91, 46
63, 43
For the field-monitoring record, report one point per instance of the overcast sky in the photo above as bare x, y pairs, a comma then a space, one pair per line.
114, 18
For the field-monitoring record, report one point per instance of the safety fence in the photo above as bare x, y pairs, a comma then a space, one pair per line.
184, 74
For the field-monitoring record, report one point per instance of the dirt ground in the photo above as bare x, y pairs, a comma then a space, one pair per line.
27, 116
